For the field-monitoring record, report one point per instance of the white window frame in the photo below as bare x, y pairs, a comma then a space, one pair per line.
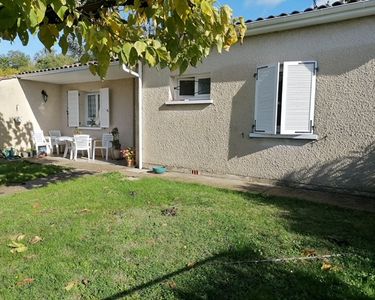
289, 135
97, 108
190, 99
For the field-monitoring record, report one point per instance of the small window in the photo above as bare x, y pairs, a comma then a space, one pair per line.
192, 88
204, 86
187, 87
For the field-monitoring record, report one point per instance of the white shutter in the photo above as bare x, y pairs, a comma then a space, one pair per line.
266, 95
297, 105
104, 108
73, 108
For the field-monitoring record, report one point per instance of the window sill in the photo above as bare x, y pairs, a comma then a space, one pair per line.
305, 136
188, 102
90, 128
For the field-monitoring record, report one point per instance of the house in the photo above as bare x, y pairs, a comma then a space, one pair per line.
295, 104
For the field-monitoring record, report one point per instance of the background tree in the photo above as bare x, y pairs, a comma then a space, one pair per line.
168, 33
14, 62
45, 59
75, 50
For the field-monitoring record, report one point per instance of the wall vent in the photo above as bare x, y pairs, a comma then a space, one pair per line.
195, 172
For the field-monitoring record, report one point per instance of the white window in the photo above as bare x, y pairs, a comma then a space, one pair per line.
92, 110
285, 99
192, 88
88, 109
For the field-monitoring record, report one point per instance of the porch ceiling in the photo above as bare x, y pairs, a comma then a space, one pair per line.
76, 74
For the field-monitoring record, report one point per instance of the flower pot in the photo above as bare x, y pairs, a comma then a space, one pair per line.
116, 154
129, 162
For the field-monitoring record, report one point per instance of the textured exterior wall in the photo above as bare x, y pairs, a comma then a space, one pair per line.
35, 114
214, 138
121, 101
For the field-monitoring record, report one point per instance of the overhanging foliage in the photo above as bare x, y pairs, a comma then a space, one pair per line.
165, 33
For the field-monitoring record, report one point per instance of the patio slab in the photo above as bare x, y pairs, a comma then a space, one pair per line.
84, 167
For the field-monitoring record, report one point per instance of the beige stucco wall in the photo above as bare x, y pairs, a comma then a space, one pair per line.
23, 99
121, 101
214, 138
35, 114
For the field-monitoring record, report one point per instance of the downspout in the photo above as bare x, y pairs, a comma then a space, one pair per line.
140, 115
138, 110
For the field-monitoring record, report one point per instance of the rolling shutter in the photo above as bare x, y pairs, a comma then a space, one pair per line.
104, 108
73, 108
297, 110
266, 94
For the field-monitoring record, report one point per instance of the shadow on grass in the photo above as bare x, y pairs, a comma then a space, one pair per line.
234, 275
32, 175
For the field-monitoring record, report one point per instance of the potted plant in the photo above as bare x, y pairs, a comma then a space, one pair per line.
24, 153
129, 155
116, 146
29, 152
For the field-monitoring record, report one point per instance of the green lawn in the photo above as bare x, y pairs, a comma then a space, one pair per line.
105, 237
20, 171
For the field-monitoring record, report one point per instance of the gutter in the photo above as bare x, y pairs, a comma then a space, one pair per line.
131, 72
316, 17
52, 72
139, 155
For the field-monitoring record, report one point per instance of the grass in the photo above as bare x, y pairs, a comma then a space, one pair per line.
20, 171
104, 237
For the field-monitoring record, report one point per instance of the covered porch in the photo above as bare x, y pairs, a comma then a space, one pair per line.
72, 100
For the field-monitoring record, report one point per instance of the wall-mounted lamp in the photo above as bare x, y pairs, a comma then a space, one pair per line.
17, 120
45, 96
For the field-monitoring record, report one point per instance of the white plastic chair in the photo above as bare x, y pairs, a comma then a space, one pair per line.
41, 141
81, 142
54, 134
104, 144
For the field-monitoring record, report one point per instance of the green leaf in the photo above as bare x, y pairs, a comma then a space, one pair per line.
33, 18
126, 50
7, 18
46, 35
206, 8
24, 36
150, 57
40, 10
182, 8
163, 54
59, 9
63, 43
183, 66
140, 46
133, 57
225, 14
93, 69
69, 21
85, 58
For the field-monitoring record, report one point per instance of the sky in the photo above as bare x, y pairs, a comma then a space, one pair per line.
249, 9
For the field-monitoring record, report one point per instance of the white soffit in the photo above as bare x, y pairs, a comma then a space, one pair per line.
77, 75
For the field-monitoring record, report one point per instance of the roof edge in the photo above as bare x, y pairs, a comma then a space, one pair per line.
315, 17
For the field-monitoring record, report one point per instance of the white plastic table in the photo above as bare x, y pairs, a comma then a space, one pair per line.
68, 144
